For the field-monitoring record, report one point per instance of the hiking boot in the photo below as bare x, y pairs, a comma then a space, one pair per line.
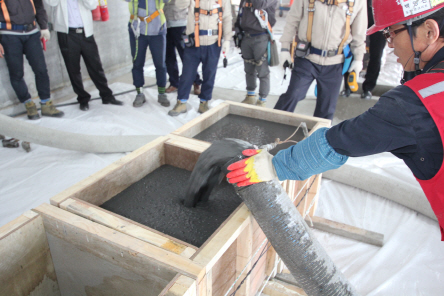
31, 110
178, 109
170, 89
140, 99
162, 99
48, 109
249, 99
203, 107
260, 103
196, 90
366, 95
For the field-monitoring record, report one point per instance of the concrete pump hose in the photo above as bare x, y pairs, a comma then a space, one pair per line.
405, 194
292, 239
70, 141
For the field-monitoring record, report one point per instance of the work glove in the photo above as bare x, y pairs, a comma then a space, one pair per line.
45, 34
284, 56
225, 47
255, 169
355, 66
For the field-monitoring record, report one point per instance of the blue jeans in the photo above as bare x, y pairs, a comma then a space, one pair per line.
29, 45
304, 72
193, 56
157, 45
173, 42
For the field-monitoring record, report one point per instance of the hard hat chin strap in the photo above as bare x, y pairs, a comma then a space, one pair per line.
417, 53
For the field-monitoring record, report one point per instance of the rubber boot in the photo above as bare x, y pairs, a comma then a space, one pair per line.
140, 99
178, 109
249, 99
48, 109
203, 107
31, 110
162, 99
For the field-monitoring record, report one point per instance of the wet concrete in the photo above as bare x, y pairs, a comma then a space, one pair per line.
256, 131
157, 202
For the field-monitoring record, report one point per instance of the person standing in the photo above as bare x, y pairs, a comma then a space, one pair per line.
19, 35
254, 46
74, 25
207, 24
406, 121
376, 49
323, 29
147, 28
176, 22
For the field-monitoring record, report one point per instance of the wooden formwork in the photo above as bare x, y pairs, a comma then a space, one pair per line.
49, 252
297, 190
208, 270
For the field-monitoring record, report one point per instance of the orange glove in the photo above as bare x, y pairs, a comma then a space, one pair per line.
255, 169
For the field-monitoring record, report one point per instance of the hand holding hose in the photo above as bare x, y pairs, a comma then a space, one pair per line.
255, 169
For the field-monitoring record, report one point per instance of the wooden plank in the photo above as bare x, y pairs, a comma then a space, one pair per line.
184, 152
127, 226
243, 262
26, 265
348, 231
116, 247
224, 271
195, 126
279, 288
278, 116
106, 183
182, 286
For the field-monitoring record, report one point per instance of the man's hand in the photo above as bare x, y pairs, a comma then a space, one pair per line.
45, 34
355, 66
2, 51
225, 47
255, 169
284, 56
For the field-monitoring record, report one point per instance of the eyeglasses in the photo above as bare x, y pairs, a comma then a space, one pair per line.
390, 35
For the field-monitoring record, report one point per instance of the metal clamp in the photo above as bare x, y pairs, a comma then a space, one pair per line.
210, 32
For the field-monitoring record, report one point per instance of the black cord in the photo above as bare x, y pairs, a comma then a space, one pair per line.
264, 251
306, 192
75, 103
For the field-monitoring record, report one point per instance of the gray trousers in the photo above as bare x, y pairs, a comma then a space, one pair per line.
253, 50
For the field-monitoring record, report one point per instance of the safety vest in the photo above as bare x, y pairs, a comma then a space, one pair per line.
198, 11
311, 9
134, 10
6, 13
430, 89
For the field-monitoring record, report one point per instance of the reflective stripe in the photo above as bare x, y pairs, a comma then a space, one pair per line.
432, 90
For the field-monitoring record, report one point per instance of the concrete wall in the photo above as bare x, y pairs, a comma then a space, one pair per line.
113, 42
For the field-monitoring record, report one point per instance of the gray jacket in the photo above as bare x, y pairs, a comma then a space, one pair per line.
248, 21
175, 16
328, 29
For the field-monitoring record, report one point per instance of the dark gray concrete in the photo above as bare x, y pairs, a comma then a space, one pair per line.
157, 202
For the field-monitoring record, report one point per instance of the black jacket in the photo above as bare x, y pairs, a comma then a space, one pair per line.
21, 12
248, 22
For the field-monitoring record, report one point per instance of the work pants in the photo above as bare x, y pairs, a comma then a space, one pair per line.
173, 42
15, 46
157, 45
253, 50
377, 44
193, 56
328, 79
75, 45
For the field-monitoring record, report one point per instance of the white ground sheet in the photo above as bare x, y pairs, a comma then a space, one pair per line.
409, 263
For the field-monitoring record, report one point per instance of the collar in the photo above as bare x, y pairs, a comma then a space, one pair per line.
438, 57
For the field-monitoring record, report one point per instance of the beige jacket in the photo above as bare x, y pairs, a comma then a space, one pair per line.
328, 29
208, 22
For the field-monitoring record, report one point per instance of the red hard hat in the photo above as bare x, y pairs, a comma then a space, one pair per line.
390, 12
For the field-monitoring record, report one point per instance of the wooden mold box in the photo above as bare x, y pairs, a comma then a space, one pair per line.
229, 115
51, 252
209, 269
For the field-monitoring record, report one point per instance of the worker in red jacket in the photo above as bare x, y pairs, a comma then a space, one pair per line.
407, 121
